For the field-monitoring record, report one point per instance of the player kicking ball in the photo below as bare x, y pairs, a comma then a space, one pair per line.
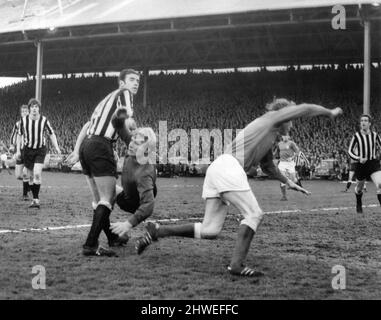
226, 182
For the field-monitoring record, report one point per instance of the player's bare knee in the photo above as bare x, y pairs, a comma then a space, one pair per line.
206, 232
253, 220
37, 178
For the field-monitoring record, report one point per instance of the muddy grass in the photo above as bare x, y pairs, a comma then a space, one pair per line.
296, 250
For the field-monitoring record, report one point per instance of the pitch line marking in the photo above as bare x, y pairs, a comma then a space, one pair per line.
177, 219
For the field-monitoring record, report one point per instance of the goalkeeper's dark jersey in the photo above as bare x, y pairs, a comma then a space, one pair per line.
139, 189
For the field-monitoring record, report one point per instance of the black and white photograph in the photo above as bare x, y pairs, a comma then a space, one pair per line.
190, 151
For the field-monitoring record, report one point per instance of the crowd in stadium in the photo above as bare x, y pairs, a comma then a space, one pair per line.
209, 100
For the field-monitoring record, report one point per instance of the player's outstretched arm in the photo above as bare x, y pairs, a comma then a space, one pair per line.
53, 139
73, 158
303, 110
18, 146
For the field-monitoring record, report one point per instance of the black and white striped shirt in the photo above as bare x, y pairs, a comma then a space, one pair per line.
100, 123
364, 146
33, 131
15, 130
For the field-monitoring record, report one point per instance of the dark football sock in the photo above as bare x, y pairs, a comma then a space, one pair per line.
186, 230
25, 188
349, 183
379, 198
100, 215
36, 190
111, 236
242, 245
359, 198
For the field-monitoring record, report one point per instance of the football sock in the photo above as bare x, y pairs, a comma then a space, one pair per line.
25, 188
35, 190
186, 230
111, 236
242, 245
101, 213
359, 199
349, 183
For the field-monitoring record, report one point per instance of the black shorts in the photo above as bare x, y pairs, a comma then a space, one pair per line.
353, 166
32, 156
21, 160
97, 157
365, 170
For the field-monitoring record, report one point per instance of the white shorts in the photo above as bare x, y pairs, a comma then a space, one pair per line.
3, 157
224, 174
287, 168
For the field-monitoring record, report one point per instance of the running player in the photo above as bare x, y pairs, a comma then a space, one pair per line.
226, 182
110, 120
287, 151
21, 172
32, 132
366, 143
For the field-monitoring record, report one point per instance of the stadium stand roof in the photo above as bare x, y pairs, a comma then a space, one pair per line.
95, 35
20, 15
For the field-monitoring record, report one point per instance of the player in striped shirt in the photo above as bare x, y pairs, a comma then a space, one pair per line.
300, 162
32, 130
20, 170
363, 149
226, 182
111, 119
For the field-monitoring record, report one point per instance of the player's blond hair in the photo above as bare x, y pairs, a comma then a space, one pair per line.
278, 104
149, 133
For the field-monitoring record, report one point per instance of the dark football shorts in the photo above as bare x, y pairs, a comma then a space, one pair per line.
97, 157
21, 160
365, 170
353, 166
32, 156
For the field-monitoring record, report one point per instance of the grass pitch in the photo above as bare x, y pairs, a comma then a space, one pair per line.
296, 248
